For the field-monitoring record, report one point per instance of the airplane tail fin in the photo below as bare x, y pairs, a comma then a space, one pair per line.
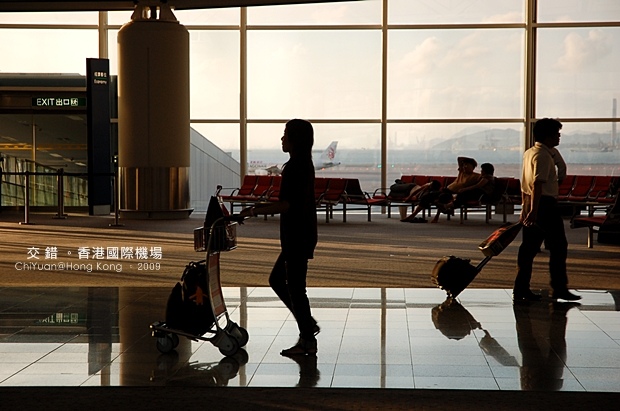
330, 153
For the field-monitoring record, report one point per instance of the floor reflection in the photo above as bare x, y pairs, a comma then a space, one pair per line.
196, 373
541, 332
379, 338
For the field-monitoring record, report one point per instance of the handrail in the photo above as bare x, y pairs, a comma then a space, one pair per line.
60, 174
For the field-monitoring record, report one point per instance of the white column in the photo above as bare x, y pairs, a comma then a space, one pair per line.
153, 115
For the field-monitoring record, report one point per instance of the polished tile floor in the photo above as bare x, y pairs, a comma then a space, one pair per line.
375, 338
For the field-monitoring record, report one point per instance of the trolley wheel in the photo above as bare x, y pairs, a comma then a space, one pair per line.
165, 344
229, 367
242, 357
242, 336
230, 347
175, 340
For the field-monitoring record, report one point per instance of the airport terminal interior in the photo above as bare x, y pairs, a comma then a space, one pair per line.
378, 342
430, 81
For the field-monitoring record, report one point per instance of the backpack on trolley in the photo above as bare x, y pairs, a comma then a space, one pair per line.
183, 311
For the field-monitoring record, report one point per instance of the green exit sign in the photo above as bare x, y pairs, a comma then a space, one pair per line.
59, 102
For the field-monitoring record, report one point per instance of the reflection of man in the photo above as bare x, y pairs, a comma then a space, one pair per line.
541, 334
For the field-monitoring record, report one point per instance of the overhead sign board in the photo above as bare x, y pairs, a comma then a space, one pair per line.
59, 102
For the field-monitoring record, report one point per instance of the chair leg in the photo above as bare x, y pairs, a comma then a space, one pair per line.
590, 236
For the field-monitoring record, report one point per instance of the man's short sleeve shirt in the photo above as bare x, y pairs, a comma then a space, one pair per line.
539, 166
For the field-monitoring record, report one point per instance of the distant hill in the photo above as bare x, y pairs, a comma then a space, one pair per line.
510, 139
489, 139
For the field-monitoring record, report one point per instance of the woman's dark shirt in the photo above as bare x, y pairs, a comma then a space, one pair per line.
298, 230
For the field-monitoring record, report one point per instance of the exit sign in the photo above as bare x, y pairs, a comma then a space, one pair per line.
58, 102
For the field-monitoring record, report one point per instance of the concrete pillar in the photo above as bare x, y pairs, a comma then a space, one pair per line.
153, 115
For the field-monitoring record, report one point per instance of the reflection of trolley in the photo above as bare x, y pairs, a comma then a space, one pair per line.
196, 307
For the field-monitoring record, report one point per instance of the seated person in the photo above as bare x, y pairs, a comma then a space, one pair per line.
484, 186
427, 194
467, 177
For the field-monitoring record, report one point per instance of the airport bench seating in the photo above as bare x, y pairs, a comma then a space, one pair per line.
499, 198
329, 193
343, 194
577, 191
607, 226
587, 192
390, 200
354, 197
331, 196
254, 189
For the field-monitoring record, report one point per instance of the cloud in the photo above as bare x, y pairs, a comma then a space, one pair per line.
580, 52
467, 53
422, 59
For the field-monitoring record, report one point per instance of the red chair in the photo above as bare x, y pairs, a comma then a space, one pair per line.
263, 185
241, 194
332, 196
320, 187
565, 187
274, 191
608, 225
247, 186
580, 189
354, 195
601, 190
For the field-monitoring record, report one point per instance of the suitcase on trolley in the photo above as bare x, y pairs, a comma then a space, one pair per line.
454, 274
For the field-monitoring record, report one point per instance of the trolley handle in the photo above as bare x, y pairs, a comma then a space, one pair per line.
238, 218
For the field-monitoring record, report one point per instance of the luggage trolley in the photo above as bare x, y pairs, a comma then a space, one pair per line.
454, 274
224, 333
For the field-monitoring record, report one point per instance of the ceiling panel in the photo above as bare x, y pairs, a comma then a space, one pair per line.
37, 5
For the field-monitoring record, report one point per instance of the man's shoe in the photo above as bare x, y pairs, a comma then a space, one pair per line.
303, 347
525, 296
565, 295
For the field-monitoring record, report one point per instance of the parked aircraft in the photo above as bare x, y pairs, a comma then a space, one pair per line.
325, 160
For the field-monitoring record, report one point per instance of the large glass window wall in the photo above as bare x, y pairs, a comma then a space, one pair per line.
424, 76
462, 73
317, 74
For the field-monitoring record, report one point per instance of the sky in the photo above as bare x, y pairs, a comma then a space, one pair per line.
336, 74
